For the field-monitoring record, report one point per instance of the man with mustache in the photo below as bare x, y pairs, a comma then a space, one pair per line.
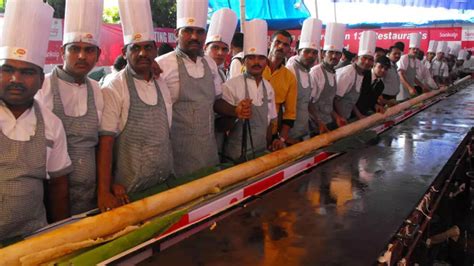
32, 139
77, 99
307, 54
283, 82
194, 84
324, 80
250, 97
349, 78
134, 147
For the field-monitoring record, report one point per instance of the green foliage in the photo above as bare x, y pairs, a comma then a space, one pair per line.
111, 15
164, 13
2, 6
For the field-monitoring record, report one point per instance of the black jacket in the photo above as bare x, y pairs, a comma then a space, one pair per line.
369, 94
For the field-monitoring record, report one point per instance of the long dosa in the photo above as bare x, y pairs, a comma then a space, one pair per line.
113, 221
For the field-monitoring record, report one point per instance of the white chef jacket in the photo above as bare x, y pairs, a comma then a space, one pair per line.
345, 77
235, 68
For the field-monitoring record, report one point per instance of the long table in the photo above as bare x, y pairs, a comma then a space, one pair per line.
343, 212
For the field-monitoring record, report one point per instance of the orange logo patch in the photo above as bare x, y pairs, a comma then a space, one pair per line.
89, 36
191, 20
253, 50
20, 51
137, 36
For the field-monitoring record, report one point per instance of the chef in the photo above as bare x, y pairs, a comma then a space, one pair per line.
408, 67
32, 138
439, 67
134, 147
430, 55
219, 35
391, 80
310, 42
194, 83
77, 99
250, 97
349, 78
324, 80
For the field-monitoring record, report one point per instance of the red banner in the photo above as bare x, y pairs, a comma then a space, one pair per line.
112, 40
111, 43
388, 37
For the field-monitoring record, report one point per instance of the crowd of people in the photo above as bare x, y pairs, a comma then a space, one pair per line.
70, 145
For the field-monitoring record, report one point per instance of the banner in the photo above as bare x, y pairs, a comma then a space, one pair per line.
111, 42
388, 37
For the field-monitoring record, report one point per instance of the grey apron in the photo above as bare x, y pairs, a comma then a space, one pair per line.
22, 172
391, 81
300, 128
258, 126
438, 72
222, 74
82, 138
410, 75
192, 131
220, 136
348, 101
325, 103
143, 155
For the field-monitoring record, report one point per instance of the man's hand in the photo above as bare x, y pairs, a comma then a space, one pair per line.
277, 144
120, 193
111, 200
340, 121
412, 91
379, 108
244, 109
107, 201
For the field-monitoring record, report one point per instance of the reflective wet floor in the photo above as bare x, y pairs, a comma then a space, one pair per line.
343, 212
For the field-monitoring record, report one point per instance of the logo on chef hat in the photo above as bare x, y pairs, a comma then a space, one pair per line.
20, 52
332, 46
190, 21
137, 37
216, 38
252, 50
312, 45
89, 36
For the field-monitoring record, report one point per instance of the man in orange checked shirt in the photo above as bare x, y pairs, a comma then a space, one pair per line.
284, 83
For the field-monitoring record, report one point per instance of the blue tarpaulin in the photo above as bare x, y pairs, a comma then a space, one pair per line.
448, 4
279, 14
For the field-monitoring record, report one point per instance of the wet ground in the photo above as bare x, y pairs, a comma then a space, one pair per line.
344, 211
